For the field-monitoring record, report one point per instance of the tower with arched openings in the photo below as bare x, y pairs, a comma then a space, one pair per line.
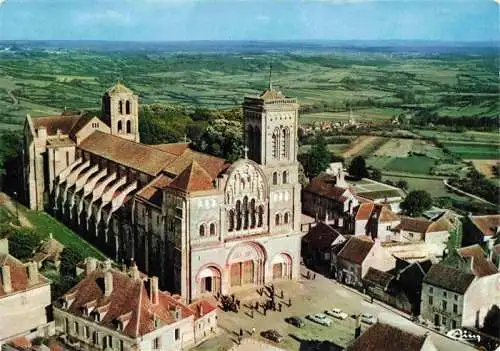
120, 107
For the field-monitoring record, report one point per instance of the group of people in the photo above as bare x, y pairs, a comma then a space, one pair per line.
229, 302
271, 304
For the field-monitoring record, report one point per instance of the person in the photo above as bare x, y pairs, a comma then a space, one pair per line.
279, 306
253, 331
282, 294
241, 332
289, 301
238, 303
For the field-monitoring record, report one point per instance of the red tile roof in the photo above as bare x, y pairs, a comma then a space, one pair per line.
18, 275
174, 148
415, 225
377, 277
64, 123
324, 185
384, 214
193, 178
480, 265
387, 338
488, 225
364, 211
201, 308
211, 164
21, 342
449, 278
356, 249
153, 192
129, 300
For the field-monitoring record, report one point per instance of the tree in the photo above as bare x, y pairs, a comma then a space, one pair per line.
416, 203
23, 242
403, 184
357, 167
376, 174
491, 323
317, 159
69, 259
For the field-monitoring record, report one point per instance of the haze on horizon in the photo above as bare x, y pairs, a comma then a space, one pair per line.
183, 20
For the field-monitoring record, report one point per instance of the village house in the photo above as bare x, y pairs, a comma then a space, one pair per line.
111, 309
25, 309
471, 259
399, 287
320, 247
376, 221
452, 298
49, 251
482, 230
202, 225
329, 199
357, 256
385, 337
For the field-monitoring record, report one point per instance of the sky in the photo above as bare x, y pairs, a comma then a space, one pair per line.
181, 20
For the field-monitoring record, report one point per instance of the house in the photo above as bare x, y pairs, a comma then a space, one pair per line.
482, 230
452, 298
24, 299
125, 310
357, 256
472, 259
399, 287
381, 336
50, 251
321, 245
329, 198
375, 220
369, 190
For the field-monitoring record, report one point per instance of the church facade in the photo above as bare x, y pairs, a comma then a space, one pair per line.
198, 222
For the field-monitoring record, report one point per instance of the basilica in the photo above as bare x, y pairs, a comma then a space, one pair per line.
201, 224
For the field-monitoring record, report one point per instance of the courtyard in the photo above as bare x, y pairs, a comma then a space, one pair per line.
309, 296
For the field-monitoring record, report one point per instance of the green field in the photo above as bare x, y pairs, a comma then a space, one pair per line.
375, 85
411, 164
435, 187
473, 151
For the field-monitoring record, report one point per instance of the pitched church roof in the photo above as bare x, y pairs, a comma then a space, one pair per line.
193, 178
64, 123
271, 94
118, 88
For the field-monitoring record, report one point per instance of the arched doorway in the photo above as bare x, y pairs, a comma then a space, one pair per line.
246, 265
209, 280
281, 266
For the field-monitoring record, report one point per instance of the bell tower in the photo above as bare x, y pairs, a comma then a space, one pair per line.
120, 107
271, 124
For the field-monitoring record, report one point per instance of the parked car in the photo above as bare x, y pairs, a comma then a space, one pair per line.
272, 335
337, 313
296, 321
368, 318
320, 319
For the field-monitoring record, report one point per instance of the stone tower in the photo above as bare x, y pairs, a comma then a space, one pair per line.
271, 123
120, 109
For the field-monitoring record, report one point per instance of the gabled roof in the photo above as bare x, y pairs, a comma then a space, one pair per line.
193, 178
488, 225
64, 123
384, 214
324, 185
153, 191
449, 278
321, 236
378, 212
50, 249
377, 277
18, 275
173, 148
211, 164
443, 224
388, 338
364, 211
356, 249
143, 158
480, 265
129, 300
416, 225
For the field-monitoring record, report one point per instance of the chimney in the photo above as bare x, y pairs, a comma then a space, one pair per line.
134, 271
4, 246
178, 313
106, 265
200, 309
153, 290
6, 282
90, 265
357, 330
32, 273
108, 283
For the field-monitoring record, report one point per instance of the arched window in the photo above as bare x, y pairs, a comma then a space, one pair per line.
245, 212
127, 107
275, 178
120, 107
238, 215
275, 143
231, 220
277, 219
252, 214
285, 177
120, 126
129, 127
287, 218
202, 230
285, 142
260, 221
212, 229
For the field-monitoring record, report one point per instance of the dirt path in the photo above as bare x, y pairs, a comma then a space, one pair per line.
359, 145
485, 166
6, 201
